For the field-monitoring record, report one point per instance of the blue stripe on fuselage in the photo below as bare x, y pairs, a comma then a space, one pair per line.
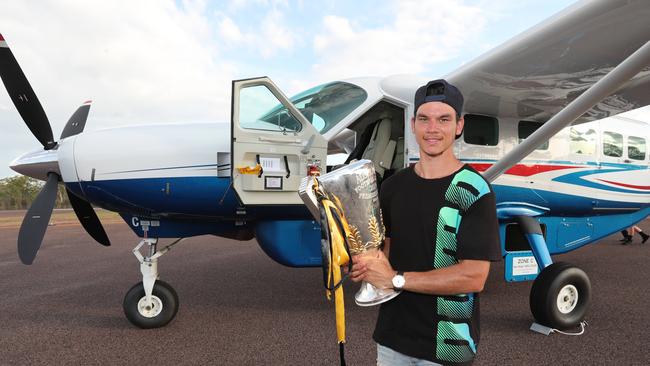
560, 204
627, 166
203, 198
214, 196
198, 196
577, 179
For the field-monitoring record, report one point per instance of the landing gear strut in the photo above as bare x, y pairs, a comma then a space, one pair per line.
151, 303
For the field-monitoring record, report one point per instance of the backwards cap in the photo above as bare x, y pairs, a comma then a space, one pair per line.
439, 91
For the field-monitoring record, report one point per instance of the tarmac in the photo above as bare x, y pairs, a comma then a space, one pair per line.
238, 307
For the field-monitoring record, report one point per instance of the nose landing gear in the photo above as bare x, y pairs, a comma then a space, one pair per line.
151, 303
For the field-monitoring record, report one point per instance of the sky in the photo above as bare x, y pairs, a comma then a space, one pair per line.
164, 61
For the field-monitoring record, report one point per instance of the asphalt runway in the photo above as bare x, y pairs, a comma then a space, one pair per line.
238, 307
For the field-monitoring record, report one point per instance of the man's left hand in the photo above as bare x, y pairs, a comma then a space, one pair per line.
375, 269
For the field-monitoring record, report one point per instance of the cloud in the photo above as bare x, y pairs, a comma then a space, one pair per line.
229, 31
267, 38
152, 61
148, 61
241, 4
421, 34
275, 36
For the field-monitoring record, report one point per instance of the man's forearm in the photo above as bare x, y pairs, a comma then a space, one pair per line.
465, 277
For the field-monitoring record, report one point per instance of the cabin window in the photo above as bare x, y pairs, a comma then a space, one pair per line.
481, 130
583, 140
636, 148
526, 128
612, 144
259, 109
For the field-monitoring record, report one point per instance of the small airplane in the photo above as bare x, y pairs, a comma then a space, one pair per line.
541, 124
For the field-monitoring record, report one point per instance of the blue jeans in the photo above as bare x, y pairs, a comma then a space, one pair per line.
389, 357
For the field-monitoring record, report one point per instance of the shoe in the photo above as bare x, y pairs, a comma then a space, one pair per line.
625, 235
627, 240
644, 236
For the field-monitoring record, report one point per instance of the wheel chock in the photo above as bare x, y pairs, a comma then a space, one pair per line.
542, 329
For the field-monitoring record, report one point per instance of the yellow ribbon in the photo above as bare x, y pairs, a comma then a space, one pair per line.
339, 258
250, 170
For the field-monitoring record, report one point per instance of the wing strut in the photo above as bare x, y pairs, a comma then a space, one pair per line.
597, 92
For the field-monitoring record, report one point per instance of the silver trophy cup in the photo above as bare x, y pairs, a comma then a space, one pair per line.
355, 188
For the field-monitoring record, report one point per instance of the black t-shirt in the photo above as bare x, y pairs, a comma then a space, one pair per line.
434, 223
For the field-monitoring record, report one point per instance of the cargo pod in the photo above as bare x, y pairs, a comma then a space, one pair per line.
273, 147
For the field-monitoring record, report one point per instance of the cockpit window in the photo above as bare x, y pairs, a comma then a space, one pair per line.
324, 106
258, 100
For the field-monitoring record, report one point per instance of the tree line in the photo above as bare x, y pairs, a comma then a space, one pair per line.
18, 193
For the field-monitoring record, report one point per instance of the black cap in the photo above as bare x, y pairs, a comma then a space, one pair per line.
439, 91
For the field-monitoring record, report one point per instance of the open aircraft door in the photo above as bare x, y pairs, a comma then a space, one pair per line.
273, 145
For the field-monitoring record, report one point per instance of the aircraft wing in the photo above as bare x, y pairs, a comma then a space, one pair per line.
536, 74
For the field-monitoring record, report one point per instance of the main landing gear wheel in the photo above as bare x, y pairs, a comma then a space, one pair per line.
163, 307
560, 296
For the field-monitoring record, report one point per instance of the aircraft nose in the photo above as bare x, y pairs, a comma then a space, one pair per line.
37, 164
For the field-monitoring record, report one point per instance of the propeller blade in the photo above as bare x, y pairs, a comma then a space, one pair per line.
77, 122
36, 220
23, 96
88, 218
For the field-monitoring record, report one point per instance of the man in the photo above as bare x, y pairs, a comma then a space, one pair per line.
441, 234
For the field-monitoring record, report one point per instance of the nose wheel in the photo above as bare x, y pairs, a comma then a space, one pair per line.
151, 303
157, 312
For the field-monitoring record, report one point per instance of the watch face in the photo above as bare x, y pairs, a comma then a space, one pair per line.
398, 281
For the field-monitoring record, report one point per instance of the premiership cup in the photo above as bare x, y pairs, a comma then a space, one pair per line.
353, 189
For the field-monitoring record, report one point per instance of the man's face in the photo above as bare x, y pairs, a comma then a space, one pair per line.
435, 128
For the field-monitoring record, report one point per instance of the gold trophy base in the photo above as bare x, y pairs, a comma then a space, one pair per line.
369, 295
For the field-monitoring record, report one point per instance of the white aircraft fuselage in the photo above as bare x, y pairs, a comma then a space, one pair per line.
183, 173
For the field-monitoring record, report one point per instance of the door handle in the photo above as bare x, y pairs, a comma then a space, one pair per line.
286, 165
285, 141
307, 147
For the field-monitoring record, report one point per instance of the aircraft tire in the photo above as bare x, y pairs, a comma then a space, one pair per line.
560, 296
165, 300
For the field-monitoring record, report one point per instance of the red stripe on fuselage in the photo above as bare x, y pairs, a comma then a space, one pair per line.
523, 170
647, 188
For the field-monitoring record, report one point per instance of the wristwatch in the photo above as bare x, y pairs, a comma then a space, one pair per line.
399, 281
